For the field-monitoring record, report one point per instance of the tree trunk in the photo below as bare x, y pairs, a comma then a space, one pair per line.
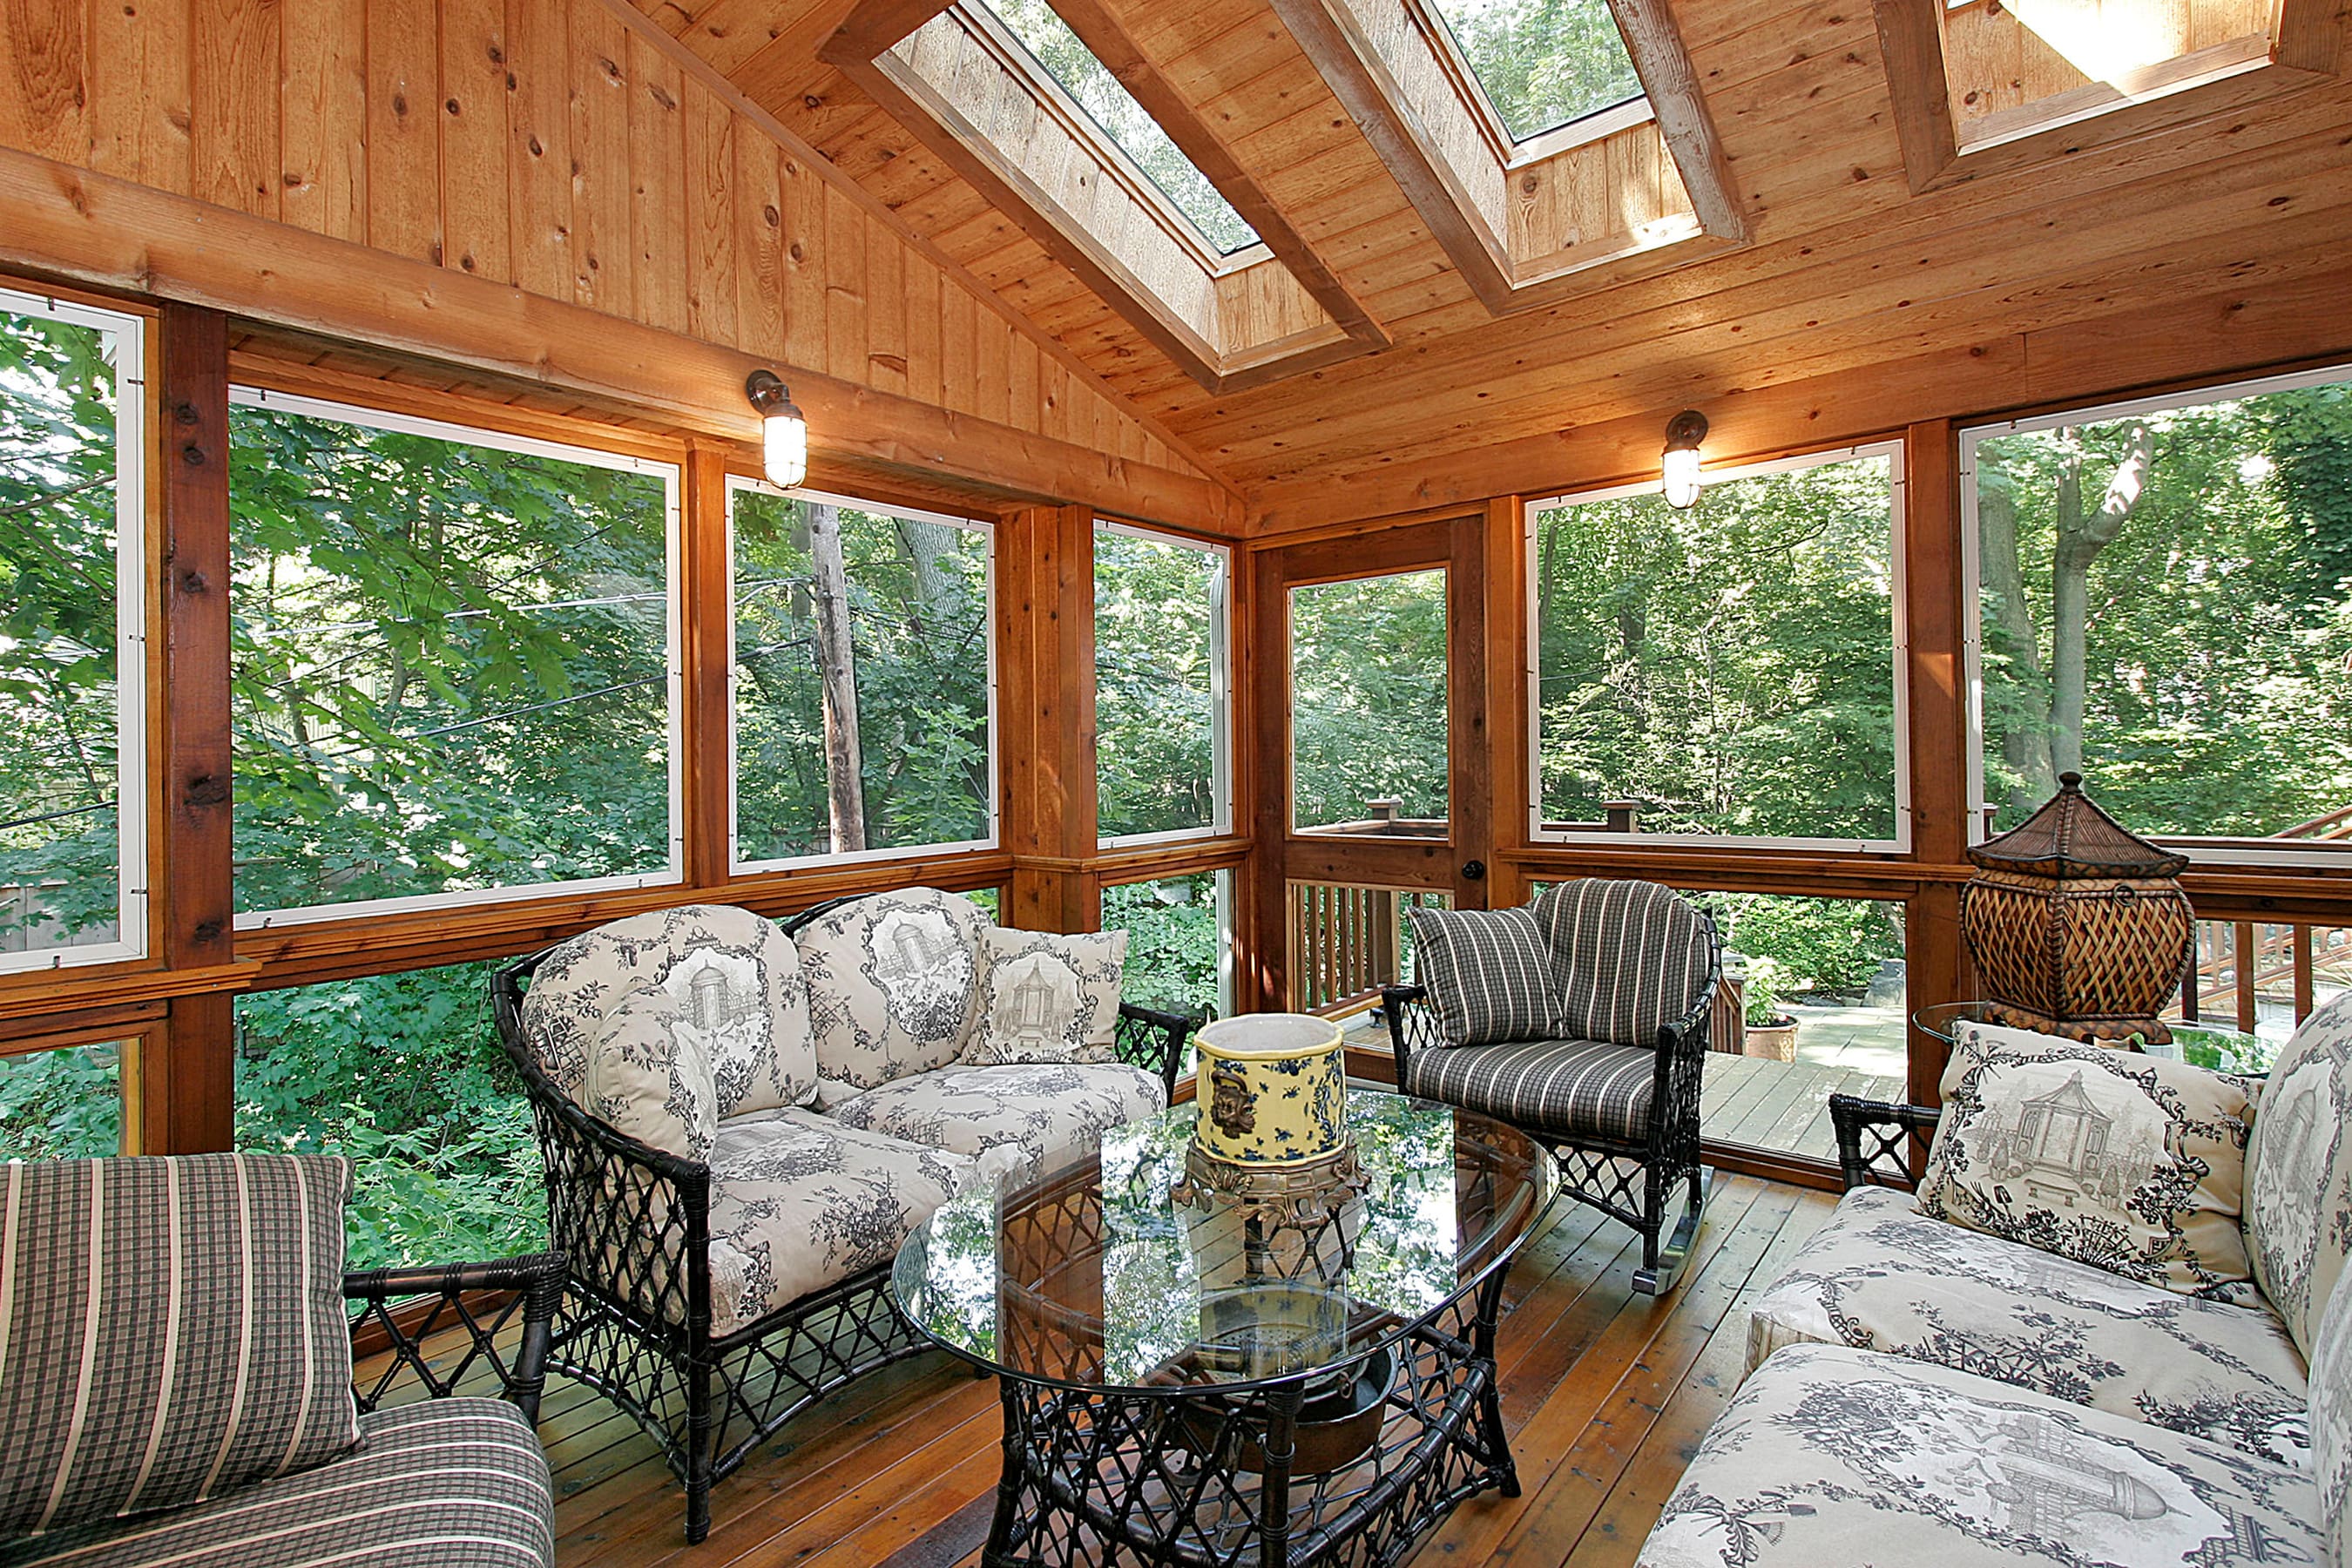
2081, 536
836, 662
2025, 747
925, 546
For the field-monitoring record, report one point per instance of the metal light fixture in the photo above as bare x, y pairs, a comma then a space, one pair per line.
1684, 431
784, 449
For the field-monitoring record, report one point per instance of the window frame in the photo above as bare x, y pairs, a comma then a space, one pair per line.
1221, 707
984, 527
2204, 851
133, 876
1899, 660
245, 396
1511, 151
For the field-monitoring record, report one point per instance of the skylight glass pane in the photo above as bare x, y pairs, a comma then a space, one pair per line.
1543, 62
1126, 123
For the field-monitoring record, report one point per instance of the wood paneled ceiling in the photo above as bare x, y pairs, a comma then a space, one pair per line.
1844, 265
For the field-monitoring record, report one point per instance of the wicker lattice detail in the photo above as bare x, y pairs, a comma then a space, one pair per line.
1638, 1181
2086, 961
1881, 1144
408, 1309
635, 1224
1196, 1479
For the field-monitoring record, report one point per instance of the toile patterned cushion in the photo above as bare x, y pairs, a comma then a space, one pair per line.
1880, 1275
443, 1483
169, 1330
891, 981
1051, 1112
1045, 997
647, 1077
737, 980
799, 1201
1487, 972
2331, 1424
1627, 958
1831, 1455
2129, 1162
2298, 1212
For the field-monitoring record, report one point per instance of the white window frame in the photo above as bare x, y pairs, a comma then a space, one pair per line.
1220, 709
736, 865
475, 435
2219, 851
129, 335
1899, 665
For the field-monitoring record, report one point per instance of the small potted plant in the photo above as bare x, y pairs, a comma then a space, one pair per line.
1771, 1029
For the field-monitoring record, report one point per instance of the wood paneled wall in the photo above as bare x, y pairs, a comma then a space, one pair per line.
565, 147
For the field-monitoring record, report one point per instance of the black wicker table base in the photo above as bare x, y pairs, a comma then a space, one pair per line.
1186, 1476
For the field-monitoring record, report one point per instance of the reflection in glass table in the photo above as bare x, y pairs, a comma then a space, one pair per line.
1184, 1385
2200, 1045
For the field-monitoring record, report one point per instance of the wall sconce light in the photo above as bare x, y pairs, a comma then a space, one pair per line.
785, 429
1684, 431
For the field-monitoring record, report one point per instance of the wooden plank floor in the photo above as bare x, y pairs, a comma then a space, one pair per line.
1605, 1394
1757, 1103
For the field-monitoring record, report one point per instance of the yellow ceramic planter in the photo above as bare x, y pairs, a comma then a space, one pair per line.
1273, 1090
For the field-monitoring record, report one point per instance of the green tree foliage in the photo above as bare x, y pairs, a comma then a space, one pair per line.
919, 614
2217, 690
1127, 124
1543, 62
449, 665
59, 747
1367, 697
1172, 941
64, 1104
1730, 668
1154, 654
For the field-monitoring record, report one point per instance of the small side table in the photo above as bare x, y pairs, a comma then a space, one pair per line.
2200, 1045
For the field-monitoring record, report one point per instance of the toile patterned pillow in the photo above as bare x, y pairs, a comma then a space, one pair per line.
890, 977
2128, 1162
2298, 1222
1045, 997
647, 1077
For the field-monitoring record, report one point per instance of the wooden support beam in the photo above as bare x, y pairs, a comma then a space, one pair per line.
1470, 756
191, 1084
1655, 44
63, 221
705, 621
1503, 639
1045, 704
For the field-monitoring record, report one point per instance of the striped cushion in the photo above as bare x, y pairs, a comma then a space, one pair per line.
1487, 973
1628, 958
451, 1483
1566, 1089
169, 1330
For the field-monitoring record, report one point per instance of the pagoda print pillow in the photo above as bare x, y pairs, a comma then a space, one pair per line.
2129, 1162
1045, 997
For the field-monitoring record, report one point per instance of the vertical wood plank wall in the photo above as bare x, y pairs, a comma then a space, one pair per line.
544, 143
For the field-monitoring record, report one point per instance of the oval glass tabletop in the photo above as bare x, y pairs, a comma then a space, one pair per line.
1094, 1278
2200, 1045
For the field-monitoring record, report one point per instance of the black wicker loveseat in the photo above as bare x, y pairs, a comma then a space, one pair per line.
1617, 1102
638, 1323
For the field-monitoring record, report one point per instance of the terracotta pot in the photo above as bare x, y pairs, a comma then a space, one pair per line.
1774, 1042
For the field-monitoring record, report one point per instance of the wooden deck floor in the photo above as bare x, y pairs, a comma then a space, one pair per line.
1605, 1393
1781, 1106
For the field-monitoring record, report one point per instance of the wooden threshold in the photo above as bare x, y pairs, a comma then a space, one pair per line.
1604, 1391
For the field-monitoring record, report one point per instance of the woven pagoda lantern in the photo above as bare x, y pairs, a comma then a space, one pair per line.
2078, 928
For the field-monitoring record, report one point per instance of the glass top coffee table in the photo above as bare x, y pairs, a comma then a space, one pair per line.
1198, 1383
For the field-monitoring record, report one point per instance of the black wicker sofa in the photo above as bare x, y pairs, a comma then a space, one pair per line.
658, 1316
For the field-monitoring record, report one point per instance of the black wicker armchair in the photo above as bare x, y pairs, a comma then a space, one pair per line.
637, 1324
1881, 1143
401, 1311
1626, 1147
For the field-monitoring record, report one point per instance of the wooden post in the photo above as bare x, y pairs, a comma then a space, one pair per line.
192, 1107
704, 612
1502, 649
1932, 600
1470, 794
1264, 923
1045, 704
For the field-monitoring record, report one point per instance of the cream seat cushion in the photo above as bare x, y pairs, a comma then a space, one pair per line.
1829, 1454
1880, 1275
1049, 1111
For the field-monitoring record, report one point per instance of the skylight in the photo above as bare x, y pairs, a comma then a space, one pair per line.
1127, 124
1543, 63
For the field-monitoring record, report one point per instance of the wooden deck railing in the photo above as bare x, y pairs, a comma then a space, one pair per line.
2236, 966
1346, 942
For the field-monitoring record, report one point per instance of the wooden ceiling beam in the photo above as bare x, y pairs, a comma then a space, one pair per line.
1655, 44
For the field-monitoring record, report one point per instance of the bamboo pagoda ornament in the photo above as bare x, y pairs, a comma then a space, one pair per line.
2078, 927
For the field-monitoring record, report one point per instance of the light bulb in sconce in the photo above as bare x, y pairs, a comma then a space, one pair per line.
1679, 469
783, 430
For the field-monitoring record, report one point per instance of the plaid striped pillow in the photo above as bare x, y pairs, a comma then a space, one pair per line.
1631, 957
1487, 972
169, 1330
